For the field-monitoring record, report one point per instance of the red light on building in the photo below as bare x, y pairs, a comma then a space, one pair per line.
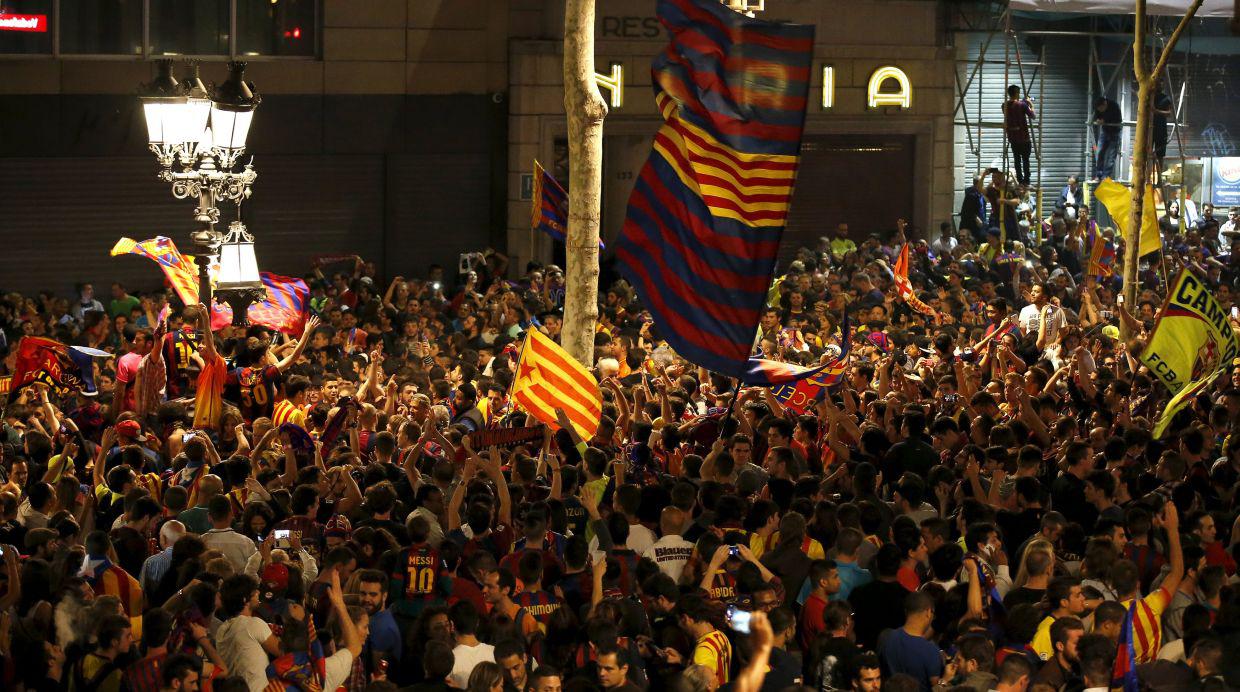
296, 32
36, 23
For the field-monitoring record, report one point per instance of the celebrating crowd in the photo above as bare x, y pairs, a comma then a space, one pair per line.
977, 504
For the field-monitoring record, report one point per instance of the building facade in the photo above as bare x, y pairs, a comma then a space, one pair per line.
406, 130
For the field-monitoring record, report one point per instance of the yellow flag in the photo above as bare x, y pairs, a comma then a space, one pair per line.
1192, 343
1118, 201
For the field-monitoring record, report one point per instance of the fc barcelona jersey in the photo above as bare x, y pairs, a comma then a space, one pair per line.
540, 604
416, 576
253, 390
178, 350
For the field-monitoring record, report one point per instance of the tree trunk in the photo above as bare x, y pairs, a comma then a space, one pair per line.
1146, 80
1140, 176
586, 110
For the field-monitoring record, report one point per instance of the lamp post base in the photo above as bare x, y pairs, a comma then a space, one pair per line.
240, 298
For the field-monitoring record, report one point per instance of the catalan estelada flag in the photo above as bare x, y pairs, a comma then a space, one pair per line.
707, 212
549, 206
548, 378
180, 270
905, 288
1124, 672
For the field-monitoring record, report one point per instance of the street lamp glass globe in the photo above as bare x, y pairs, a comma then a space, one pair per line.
161, 120
197, 111
230, 127
238, 265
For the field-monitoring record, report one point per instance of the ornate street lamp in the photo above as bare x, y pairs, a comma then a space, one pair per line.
238, 283
205, 134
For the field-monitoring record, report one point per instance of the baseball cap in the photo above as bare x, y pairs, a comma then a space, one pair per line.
275, 581
1110, 331
129, 428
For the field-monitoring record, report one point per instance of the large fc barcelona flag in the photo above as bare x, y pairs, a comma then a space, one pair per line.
706, 215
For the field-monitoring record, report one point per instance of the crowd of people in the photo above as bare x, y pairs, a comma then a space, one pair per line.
977, 505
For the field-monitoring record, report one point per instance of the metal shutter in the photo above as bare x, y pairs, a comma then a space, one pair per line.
1060, 98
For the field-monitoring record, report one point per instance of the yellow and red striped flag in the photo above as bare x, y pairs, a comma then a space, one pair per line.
548, 378
905, 288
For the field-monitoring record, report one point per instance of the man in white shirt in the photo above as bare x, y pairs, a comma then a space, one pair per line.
236, 547
354, 629
244, 641
469, 652
1229, 229
670, 552
626, 500
1032, 315
946, 242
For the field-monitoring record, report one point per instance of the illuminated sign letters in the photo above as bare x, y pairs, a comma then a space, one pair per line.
876, 97
828, 86
613, 83
24, 22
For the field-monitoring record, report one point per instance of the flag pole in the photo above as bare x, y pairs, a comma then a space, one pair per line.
736, 390
517, 367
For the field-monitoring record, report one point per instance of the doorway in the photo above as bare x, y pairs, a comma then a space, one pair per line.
865, 181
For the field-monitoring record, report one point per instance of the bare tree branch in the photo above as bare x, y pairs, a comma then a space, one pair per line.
1175, 37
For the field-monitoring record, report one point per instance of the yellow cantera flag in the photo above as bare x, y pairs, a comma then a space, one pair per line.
548, 378
1118, 201
1192, 343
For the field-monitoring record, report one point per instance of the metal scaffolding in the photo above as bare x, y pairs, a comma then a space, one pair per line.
1108, 72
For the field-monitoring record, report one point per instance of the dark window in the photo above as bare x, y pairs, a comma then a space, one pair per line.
286, 27
26, 26
189, 28
101, 27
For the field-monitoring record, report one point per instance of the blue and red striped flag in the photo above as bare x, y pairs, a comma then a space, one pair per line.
549, 211
1124, 673
708, 210
771, 373
284, 309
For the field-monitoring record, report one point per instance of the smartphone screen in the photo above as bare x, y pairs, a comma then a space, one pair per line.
282, 534
739, 619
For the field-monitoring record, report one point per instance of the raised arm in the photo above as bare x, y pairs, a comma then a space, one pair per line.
352, 638
311, 324
1171, 522
458, 494
204, 327
501, 486
101, 457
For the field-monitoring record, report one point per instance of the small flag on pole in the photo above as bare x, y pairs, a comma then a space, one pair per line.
549, 207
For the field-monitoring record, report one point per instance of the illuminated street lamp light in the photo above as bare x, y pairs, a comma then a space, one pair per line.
206, 134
